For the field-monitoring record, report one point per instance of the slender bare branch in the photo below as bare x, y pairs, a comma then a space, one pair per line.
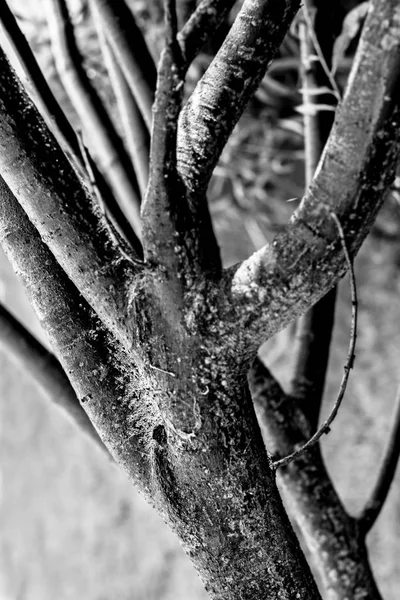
44, 97
330, 534
201, 26
315, 42
100, 132
66, 216
136, 135
131, 51
95, 363
283, 279
386, 474
325, 427
32, 357
314, 329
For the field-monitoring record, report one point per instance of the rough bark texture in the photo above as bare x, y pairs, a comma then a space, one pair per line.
158, 358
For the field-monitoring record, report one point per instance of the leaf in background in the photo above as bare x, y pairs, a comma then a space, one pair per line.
352, 25
313, 109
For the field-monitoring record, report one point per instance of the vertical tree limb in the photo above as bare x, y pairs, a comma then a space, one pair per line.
131, 51
171, 236
136, 135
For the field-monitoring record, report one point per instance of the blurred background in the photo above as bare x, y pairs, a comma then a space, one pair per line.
70, 524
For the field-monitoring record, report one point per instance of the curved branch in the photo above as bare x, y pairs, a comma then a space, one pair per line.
71, 224
31, 356
386, 473
96, 123
281, 280
95, 363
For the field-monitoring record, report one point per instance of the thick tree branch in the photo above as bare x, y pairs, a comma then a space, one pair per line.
170, 462
386, 474
95, 363
131, 51
220, 97
329, 532
281, 280
43, 181
31, 356
136, 135
97, 125
201, 26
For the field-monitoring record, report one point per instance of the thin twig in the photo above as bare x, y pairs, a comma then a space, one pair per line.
386, 474
318, 50
31, 356
93, 115
314, 329
325, 427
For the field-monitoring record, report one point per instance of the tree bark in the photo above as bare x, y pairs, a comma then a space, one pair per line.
158, 358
